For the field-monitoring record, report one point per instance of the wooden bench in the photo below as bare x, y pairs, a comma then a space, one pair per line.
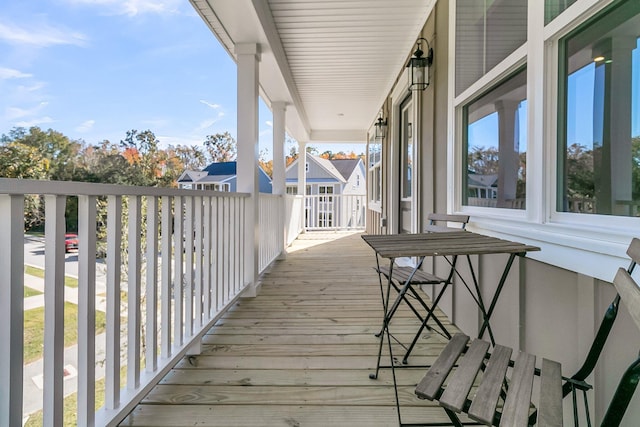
503, 395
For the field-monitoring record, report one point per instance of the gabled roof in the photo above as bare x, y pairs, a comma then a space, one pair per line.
220, 172
482, 180
340, 170
191, 176
345, 166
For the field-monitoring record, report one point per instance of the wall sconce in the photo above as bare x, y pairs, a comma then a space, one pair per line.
419, 67
381, 128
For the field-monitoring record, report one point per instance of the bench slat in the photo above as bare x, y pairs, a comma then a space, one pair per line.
550, 407
455, 395
630, 294
401, 274
484, 403
634, 250
518, 401
430, 384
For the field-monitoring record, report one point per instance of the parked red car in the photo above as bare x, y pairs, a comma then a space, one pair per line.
70, 242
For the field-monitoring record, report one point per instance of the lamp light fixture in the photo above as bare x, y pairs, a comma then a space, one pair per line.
419, 66
380, 127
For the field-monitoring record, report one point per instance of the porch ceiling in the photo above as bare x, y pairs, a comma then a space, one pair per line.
331, 61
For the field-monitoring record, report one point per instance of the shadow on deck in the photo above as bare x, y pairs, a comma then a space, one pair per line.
299, 354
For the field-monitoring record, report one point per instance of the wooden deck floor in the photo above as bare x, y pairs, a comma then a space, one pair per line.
299, 354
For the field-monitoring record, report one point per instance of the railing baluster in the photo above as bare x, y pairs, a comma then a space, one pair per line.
206, 265
134, 286
178, 283
11, 308
53, 360
151, 293
165, 290
114, 241
188, 260
228, 221
220, 253
241, 247
213, 268
86, 309
232, 243
198, 263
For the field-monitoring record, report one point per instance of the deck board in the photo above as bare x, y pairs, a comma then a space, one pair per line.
300, 353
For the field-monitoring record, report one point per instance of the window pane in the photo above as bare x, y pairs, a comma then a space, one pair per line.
599, 168
553, 8
496, 141
487, 31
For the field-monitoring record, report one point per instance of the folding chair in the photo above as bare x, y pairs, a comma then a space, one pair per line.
438, 223
503, 395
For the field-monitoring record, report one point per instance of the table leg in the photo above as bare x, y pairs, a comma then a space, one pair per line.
496, 295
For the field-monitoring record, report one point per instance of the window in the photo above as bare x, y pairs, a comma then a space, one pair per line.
486, 33
375, 171
553, 8
292, 189
599, 115
496, 143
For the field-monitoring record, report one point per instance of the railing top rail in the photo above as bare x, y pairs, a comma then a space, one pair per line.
72, 188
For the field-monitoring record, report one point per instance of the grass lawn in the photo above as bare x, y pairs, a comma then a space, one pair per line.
71, 403
29, 292
72, 282
34, 329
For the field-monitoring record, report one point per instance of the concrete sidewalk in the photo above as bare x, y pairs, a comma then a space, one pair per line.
70, 294
32, 374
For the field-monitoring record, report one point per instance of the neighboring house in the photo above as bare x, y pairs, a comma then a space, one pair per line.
482, 190
323, 176
335, 189
220, 177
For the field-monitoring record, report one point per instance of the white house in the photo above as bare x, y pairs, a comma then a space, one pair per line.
335, 191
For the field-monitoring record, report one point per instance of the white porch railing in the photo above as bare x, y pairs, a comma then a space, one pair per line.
294, 217
271, 226
331, 211
179, 279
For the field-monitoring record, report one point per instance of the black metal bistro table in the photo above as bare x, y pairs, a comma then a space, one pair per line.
449, 244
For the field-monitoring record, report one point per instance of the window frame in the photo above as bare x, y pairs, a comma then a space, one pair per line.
589, 244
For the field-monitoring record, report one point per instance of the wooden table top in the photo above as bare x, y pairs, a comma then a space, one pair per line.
439, 244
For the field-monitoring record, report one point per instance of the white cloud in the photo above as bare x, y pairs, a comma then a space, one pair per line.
40, 34
35, 122
208, 104
10, 73
134, 7
207, 123
13, 113
34, 87
86, 126
265, 132
269, 123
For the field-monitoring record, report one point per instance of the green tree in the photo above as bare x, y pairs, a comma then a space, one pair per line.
58, 149
221, 147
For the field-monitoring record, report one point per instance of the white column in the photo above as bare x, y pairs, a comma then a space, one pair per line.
278, 179
302, 168
279, 184
508, 148
248, 56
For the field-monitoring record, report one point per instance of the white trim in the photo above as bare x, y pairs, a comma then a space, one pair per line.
397, 96
591, 244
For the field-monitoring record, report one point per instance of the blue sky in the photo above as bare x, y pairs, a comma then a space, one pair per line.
93, 69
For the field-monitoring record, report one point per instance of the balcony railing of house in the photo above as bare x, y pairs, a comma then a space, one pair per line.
174, 264
331, 211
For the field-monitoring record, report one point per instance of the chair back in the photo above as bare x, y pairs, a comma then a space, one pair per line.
444, 222
629, 293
